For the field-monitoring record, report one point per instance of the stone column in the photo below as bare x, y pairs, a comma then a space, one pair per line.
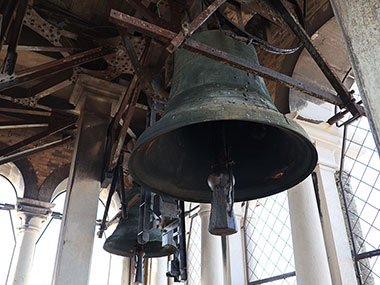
33, 214
328, 141
359, 23
310, 256
126, 271
97, 101
119, 272
211, 251
158, 271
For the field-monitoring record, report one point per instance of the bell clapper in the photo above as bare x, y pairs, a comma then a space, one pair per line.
139, 268
221, 181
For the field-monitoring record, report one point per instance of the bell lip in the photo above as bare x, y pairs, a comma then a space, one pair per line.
169, 250
166, 125
107, 248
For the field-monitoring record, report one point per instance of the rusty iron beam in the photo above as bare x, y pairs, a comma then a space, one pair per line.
34, 150
45, 48
189, 28
251, 39
262, 71
7, 14
124, 204
124, 102
33, 94
132, 95
26, 102
115, 181
150, 86
53, 67
25, 111
147, 14
6, 125
49, 83
154, 31
56, 125
164, 35
301, 34
13, 36
263, 8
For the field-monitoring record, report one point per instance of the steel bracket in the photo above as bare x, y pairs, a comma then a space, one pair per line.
189, 28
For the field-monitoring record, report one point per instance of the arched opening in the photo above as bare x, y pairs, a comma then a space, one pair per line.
46, 246
8, 222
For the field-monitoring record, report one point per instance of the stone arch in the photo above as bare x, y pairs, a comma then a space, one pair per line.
13, 174
315, 20
56, 183
50, 184
329, 42
27, 185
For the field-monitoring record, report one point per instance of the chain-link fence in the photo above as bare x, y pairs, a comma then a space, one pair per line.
359, 178
193, 246
268, 241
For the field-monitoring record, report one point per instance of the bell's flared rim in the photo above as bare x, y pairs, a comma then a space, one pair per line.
153, 249
177, 119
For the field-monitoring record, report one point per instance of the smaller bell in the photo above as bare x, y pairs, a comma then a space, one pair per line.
123, 240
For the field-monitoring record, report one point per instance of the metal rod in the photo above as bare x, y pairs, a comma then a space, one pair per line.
113, 221
124, 204
351, 232
20, 125
301, 34
140, 235
124, 102
225, 256
245, 239
13, 37
274, 278
50, 131
54, 66
151, 88
192, 209
182, 242
264, 9
46, 227
147, 14
115, 180
367, 254
6, 18
25, 153
118, 145
25, 111
52, 82
189, 28
237, 62
55, 215
44, 48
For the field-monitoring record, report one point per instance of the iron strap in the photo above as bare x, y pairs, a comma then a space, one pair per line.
162, 34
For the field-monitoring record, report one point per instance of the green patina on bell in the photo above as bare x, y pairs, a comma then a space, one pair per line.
123, 241
269, 152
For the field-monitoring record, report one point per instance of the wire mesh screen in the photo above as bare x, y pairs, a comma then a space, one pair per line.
269, 249
194, 249
361, 183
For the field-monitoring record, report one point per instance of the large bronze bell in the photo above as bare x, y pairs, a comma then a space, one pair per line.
123, 241
220, 120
